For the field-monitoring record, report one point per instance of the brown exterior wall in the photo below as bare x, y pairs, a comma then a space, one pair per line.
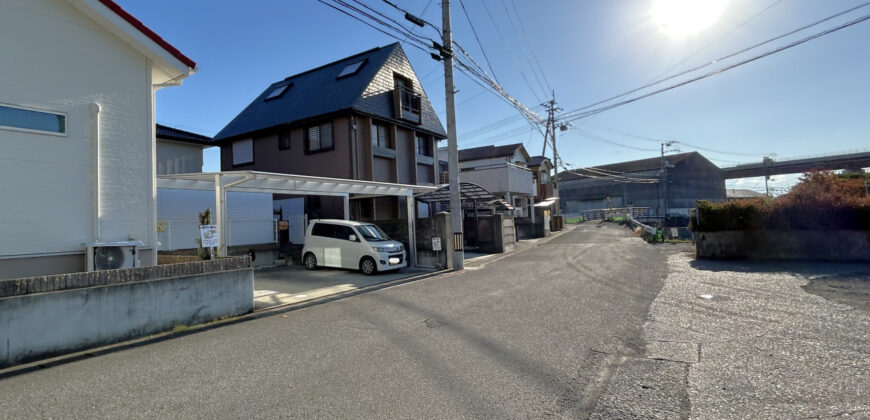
405, 156
268, 158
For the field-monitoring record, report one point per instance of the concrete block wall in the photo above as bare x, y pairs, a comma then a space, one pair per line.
809, 245
127, 305
57, 282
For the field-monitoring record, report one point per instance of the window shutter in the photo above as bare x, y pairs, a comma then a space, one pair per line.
326, 136
313, 138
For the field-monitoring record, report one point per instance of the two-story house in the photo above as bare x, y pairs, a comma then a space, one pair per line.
77, 134
500, 170
179, 151
364, 117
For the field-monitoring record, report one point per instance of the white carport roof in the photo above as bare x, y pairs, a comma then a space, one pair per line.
275, 183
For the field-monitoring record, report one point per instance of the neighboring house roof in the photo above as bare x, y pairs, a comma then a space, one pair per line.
642, 165
536, 161
489, 152
169, 133
742, 193
320, 91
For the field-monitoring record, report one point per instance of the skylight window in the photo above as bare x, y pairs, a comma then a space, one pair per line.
351, 68
278, 91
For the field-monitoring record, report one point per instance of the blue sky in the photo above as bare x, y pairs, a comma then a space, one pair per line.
811, 99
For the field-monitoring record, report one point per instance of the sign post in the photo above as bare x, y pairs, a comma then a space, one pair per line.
210, 237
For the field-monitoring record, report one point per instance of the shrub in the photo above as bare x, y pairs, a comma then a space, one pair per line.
821, 201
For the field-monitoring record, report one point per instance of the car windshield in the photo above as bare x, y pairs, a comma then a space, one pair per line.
372, 233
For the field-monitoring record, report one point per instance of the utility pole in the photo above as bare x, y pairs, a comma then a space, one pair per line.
456, 215
555, 178
663, 180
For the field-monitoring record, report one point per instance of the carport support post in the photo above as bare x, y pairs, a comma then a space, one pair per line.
220, 204
412, 234
346, 206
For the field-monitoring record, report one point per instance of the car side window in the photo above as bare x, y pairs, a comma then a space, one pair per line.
342, 232
322, 229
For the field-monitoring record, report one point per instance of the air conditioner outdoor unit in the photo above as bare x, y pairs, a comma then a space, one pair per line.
112, 255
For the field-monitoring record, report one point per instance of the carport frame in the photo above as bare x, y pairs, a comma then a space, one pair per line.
275, 183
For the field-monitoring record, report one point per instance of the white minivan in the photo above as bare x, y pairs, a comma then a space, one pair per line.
353, 245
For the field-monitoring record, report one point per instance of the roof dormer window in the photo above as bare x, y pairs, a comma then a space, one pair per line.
278, 91
351, 69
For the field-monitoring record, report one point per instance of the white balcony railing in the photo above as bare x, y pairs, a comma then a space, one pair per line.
501, 178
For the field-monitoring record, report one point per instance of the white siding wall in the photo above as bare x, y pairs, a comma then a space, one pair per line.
175, 157
249, 216
57, 59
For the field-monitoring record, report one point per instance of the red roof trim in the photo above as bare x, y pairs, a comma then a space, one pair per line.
148, 32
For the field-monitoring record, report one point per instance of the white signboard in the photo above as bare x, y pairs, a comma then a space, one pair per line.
209, 236
436, 243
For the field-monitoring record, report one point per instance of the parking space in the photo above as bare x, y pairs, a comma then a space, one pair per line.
293, 283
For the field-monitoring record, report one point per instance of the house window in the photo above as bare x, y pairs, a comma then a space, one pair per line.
351, 69
406, 102
381, 136
243, 152
15, 118
319, 138
424, 146
284, 141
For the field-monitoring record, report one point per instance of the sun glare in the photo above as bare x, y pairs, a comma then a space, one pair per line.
682, 18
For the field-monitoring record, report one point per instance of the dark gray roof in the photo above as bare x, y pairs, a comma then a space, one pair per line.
319, 92
169, 133
489, 152
536, 161
641, 165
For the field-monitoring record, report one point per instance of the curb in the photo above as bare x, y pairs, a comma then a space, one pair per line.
168, 335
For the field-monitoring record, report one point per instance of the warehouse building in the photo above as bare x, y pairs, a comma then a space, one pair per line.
686, 178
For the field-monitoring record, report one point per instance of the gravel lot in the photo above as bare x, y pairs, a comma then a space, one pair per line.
766, 347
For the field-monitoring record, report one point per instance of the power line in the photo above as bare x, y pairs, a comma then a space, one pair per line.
479, 44
411, 43
523, 46
511, 52
728, 57
604, 140
575, 115
652, 139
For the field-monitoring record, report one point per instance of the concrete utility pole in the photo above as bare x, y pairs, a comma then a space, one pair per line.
663, 180
456, 215
555, 154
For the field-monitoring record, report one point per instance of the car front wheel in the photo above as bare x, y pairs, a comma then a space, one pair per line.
367, 266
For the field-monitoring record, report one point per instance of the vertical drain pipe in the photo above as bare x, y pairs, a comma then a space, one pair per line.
95, 169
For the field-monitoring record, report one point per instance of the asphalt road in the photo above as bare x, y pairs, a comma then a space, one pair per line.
552, 330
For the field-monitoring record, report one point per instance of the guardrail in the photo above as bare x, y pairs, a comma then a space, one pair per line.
607, 213
650, 234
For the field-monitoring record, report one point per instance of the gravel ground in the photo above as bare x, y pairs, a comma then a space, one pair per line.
766, 347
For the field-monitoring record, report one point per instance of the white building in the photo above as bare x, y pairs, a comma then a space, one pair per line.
179, 151
77, 141
500, 170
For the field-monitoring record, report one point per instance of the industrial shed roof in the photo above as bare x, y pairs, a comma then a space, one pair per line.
633, 166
